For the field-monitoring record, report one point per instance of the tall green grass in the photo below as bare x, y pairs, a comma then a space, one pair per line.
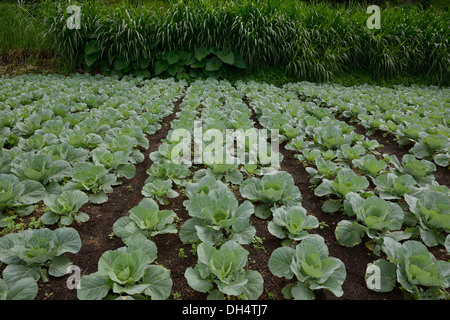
309, 41
20, 27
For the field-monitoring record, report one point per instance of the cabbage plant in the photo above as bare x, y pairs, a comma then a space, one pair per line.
64, 208
37, 141
375, 217
329, 135
345, 181
127, 271
40, 167
298, 144
28, 126
23, 289
117, 162
370, 164
159, 189
216, 214
309, 155
411, 264
66, 152
146, 219
431, 210
128, 145
38, 253
290, 131
15, 194
292, 223
351, 153
165, 150
93, 179
133, 132
324, 169
271, 190
168, 170
420, 170
312, 267
224, 172
430, 144
221, 273
80, 139
390, 186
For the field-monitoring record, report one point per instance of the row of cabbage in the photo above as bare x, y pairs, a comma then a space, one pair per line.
66, 141
417, 115
219, 206
405, 193
220, 199
219, 226
270, 194
147, 220
385, 199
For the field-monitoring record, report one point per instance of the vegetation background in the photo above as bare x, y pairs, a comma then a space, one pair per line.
280, 40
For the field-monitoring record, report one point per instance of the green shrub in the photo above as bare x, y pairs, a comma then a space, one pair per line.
315, 42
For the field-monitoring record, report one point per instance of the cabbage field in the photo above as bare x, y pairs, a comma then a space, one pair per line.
102, 198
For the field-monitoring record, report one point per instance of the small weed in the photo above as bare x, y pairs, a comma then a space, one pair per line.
47, 295
13, 224
176, 295
181, 253
323, 225
194, 248
270, 295
177, 219
257, 243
